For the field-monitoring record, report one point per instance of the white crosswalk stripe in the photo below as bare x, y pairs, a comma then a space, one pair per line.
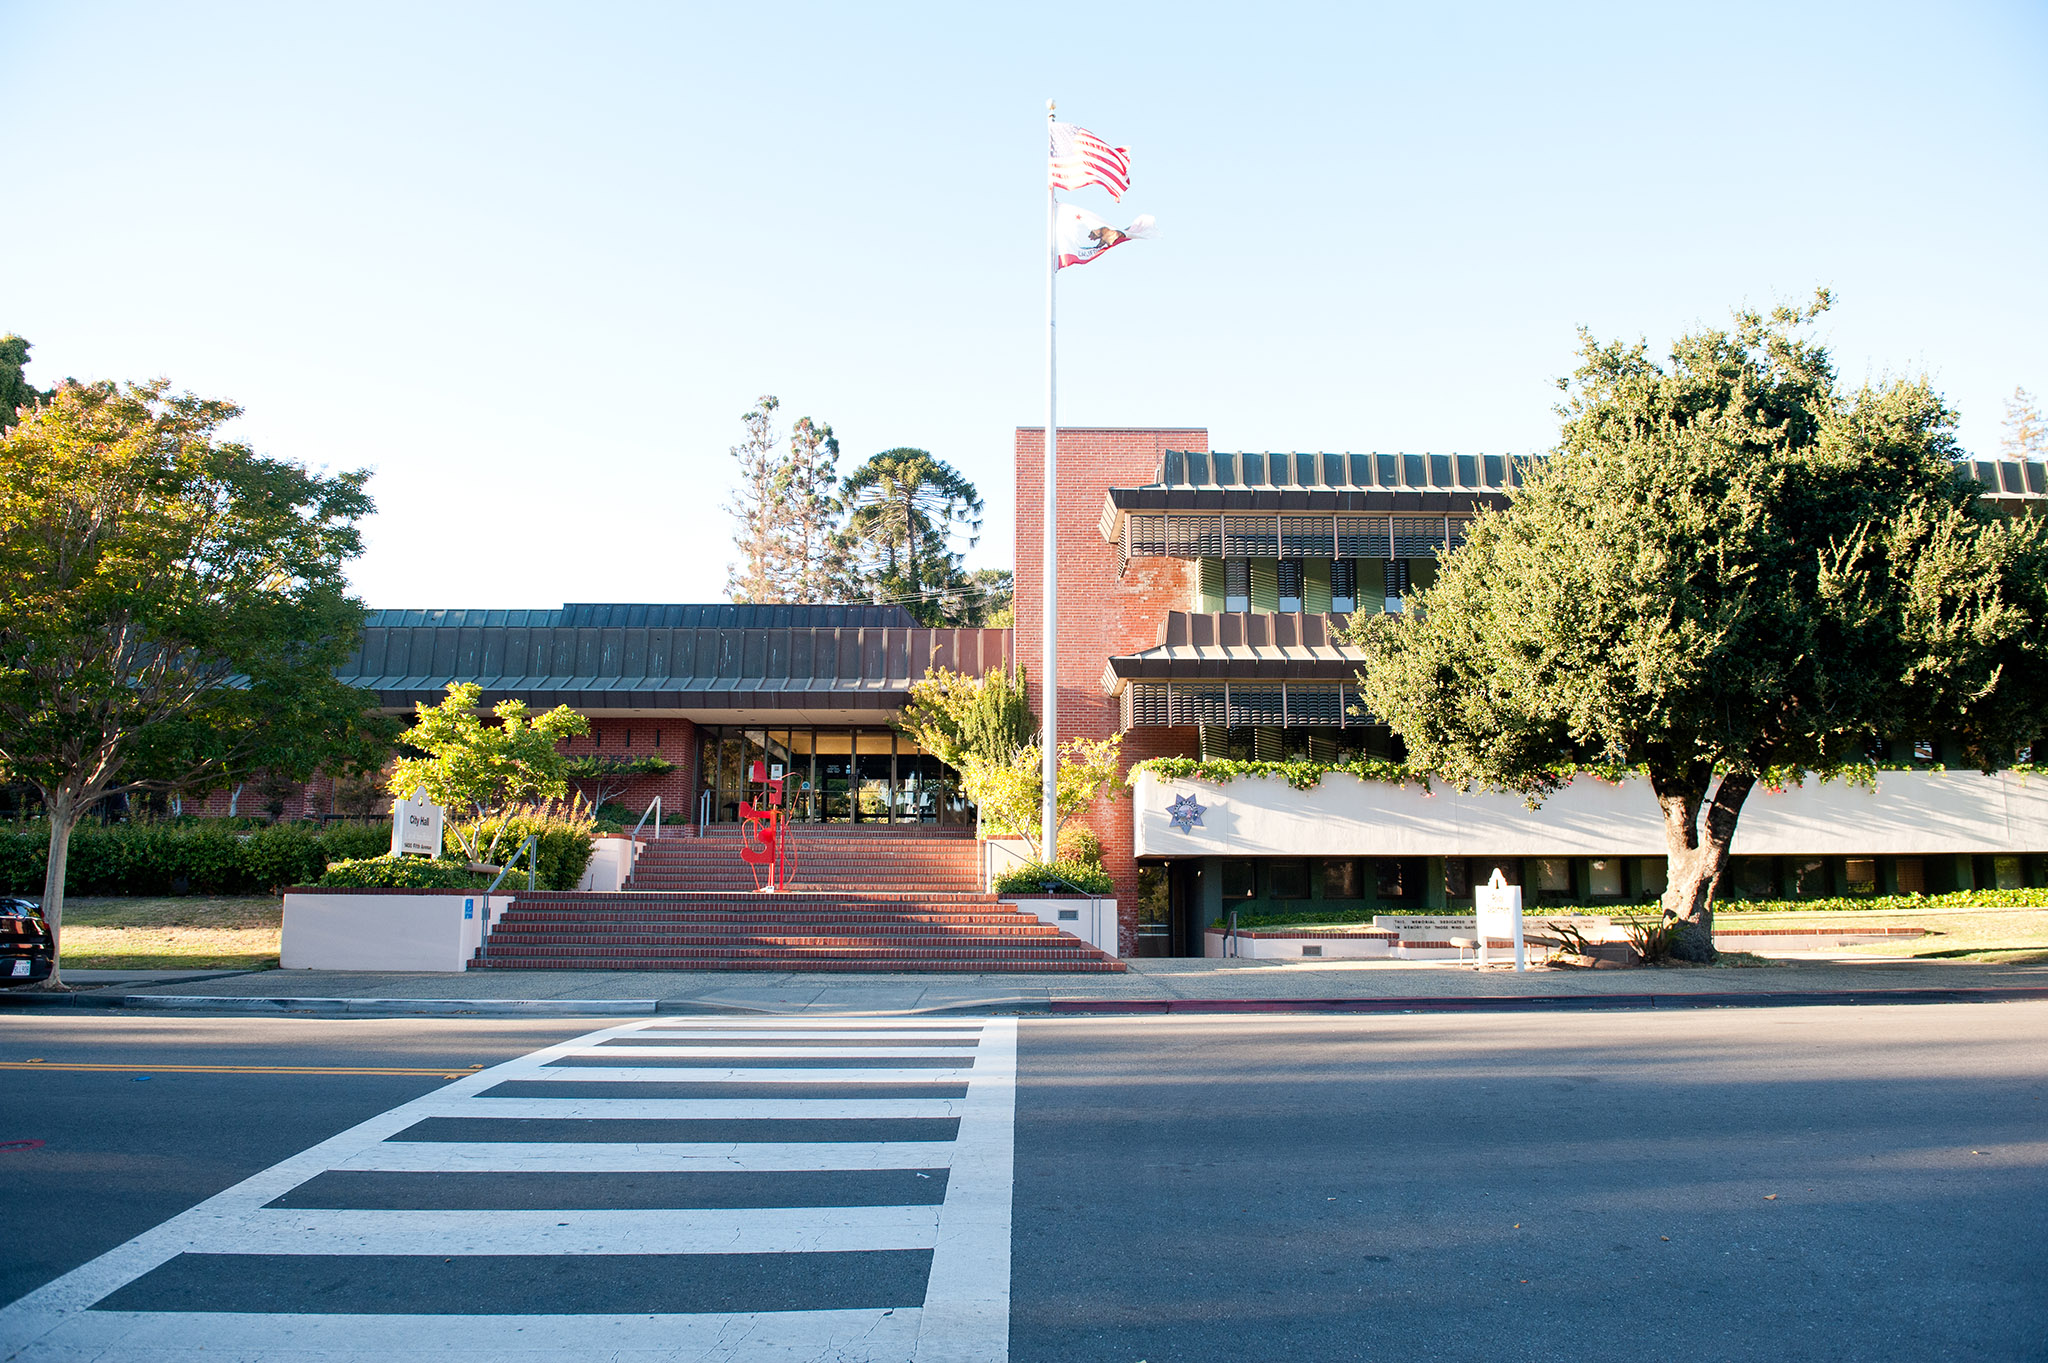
429, 1231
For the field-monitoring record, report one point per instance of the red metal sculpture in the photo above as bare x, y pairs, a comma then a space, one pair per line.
765, 844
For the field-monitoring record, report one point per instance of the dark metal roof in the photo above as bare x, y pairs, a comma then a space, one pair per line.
730, 658
587, 615
1347, 472
1242, 645
1440, 484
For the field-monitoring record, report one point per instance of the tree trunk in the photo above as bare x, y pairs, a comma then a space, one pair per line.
63, 809
1698, 857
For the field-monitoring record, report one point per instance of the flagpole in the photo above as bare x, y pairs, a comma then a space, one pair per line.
1049, 519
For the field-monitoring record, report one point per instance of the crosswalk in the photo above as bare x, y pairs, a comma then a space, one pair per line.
730, 1189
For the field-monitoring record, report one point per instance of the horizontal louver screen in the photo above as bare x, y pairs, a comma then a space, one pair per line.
1147, 705
1362, 537
1317, 705
1147, 535
1250, 537
1418, 536
1195, 536
1305, 537
1257, 704
1199, 704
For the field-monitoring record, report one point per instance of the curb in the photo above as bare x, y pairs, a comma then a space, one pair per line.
208, 1003
1554, 1003
1500, 1003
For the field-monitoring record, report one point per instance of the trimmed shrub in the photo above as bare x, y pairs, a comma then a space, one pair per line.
560, 858
1030, 878
402, 873
184, 857
1080, 845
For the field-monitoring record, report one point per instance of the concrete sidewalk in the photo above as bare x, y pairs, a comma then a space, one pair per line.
1151, 985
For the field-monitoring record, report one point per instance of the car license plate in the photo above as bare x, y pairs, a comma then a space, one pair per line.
21, 967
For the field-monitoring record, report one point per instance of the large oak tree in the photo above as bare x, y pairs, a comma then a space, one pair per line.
1730, 571
172, 608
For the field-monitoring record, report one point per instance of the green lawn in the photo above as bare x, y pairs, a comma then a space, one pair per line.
239, 933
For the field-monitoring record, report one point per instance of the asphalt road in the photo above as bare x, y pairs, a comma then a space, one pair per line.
1803, 1183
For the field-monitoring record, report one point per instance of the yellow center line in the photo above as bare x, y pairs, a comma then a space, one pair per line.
231, 1069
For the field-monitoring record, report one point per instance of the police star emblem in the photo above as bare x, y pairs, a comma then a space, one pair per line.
1185, 813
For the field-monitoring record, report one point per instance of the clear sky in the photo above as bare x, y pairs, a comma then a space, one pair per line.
532, 263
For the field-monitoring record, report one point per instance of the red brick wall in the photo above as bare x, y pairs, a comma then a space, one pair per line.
677, 787
1099, 614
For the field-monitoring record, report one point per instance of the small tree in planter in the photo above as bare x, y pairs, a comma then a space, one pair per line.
1008, 792
483, 771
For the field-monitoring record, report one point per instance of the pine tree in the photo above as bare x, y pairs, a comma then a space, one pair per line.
813, 566
904, 509
2026, 433
757, 507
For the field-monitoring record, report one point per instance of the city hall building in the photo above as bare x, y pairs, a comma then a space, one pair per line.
1204, 597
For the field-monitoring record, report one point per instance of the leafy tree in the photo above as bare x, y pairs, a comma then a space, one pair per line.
15, 389
481, 773
172, 609
1729, 572
1009, 792
956, 716
2026, 432
904, 512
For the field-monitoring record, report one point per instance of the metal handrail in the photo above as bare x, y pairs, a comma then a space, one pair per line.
1230, 946
530, 849
655, 810
703, 812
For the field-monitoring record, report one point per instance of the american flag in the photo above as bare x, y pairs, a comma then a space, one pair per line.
1080, 158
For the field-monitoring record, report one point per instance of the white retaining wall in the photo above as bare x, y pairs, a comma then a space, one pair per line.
431, 930
1911, 813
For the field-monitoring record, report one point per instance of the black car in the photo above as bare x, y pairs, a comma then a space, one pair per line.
26, 952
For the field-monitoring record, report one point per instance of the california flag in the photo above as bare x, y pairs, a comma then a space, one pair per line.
1082, 236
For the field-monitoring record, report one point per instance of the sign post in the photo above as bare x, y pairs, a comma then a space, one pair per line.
415, 826
1500, 910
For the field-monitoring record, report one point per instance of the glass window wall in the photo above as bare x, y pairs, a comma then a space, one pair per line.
831, 776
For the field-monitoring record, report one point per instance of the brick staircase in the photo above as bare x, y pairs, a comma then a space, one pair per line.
836, 857
924, 931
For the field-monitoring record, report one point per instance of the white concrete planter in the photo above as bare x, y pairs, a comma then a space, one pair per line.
611, 863
1909, 813
434, 930
1091, 920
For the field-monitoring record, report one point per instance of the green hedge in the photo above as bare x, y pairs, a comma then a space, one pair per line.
184, 857
1028, 878
403, 873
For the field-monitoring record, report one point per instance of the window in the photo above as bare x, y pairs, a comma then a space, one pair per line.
1861, 875
1652, 872
1554, 875
2006, 873
1290, 586
1240, 879
1923, 750
1397, 583
1603, 877
1756, 878
1387, 879
1457, 878
1912, 875
1340, 880
1288, 879
1237, 584
1343, 586
1810, 877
